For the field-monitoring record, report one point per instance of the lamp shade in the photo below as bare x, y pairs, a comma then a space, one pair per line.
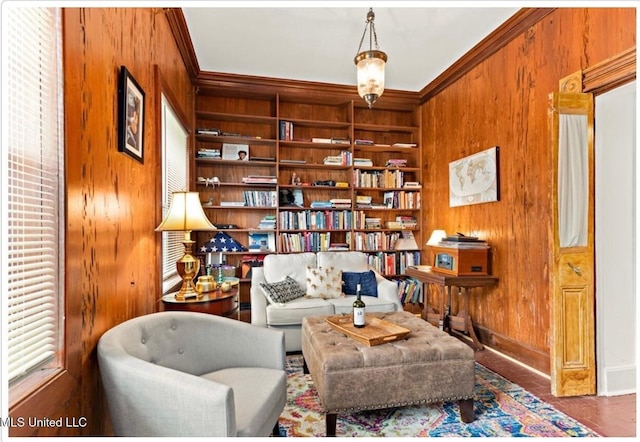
436, 237
370, 74
185, 214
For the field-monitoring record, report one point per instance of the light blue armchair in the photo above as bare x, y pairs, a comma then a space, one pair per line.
192, 374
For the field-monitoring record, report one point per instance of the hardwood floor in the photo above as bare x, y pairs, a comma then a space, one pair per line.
613, 416
608, 416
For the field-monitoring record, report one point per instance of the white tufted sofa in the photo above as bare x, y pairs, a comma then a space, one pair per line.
288, 317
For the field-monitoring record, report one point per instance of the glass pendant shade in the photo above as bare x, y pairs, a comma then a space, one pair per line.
370, 75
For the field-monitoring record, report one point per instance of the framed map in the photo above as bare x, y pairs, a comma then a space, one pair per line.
474, 179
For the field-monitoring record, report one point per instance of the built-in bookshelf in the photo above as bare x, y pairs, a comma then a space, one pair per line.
331, 173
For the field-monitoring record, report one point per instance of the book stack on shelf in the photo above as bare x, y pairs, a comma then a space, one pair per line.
260, 198
340, 203
363, 162
268, 222
260, 179
407, 221
396, 162
363, 201
320, 204
208, 131
208, 153
363, 142
344, 159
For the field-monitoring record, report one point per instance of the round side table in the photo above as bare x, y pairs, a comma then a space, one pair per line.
214, 303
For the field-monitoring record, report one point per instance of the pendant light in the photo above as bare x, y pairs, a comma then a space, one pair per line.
370, 64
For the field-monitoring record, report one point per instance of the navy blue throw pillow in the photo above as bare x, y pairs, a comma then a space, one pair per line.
367, 281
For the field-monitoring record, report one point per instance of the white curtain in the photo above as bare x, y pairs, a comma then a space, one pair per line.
573, 181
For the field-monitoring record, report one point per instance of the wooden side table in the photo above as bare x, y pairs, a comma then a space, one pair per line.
214, 303
461, 321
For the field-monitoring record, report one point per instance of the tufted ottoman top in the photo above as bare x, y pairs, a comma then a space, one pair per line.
425, 343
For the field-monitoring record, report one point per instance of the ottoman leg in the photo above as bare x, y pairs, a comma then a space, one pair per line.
305, 369
466, 410
331, 419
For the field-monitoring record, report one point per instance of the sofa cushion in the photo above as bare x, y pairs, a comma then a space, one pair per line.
367, 281
345, 305
278, 266
282, 291
324, 282
346, 261
292, 312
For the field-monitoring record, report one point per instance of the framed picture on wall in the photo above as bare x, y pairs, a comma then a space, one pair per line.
475, 179
130, 116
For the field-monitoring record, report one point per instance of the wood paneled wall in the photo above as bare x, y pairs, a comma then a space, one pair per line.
112, 249
504, 101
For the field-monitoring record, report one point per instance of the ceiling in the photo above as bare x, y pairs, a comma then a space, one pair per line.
300, 42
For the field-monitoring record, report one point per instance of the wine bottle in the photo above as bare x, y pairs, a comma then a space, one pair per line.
358, 309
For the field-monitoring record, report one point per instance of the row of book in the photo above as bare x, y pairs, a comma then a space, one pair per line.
361, 220
372, 241
393, 263
409, 290
305, 242
401, 199
285, 130
260, 179
366, 142
378, 178
260, 198
316, 220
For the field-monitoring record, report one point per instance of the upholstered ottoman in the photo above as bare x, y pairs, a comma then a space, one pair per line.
428, 365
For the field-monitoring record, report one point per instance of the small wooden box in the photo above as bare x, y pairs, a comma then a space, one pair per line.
459, 261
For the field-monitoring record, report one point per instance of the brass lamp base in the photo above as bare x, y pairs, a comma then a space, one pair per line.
188, 267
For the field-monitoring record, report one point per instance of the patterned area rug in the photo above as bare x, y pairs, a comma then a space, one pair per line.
502, 409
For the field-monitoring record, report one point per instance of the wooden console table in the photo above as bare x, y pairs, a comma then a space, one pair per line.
461, 321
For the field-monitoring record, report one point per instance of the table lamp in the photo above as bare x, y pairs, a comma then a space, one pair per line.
436, 237
186, 214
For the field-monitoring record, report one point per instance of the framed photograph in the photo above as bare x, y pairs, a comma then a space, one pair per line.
236, 152
262, 241
474, 179
130, 116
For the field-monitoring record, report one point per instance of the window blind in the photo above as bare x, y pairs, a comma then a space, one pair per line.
34, 165
174, 178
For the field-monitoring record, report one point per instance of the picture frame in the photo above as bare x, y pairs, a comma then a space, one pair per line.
262, 241
235, 152
475, 179
131, 110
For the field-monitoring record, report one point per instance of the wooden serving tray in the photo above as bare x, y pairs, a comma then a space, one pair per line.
375, 332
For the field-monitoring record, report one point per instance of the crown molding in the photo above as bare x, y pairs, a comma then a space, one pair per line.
610, 73
516, 25
178, 26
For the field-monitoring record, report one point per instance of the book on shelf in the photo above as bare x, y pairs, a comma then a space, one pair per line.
412, 185
320, 204
362, 142
333, 160
285, 132
396, 162
321, 140
337, 246
404, 145
208, 153
268, 159
340, 141
362, 162
260, 198
407, 221
232, 203
268, 222
293, 161
208, 131
260, 179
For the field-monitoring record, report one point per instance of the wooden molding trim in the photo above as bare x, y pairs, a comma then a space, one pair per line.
516, 25
178, 26
517, 350
610, 73
236, 84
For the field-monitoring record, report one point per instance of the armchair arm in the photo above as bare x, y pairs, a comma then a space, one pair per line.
388, 290
258, 300
146, 399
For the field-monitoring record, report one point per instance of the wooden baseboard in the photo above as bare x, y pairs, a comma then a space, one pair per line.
533, 358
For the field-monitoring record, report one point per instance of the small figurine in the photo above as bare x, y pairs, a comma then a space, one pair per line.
295, 179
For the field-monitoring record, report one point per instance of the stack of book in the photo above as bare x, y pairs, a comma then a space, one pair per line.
340, 203
363, 201
208, 131
268, 222
260, 179
320, 204
344, 159
405, 145
407, 222
361, 142
362, 162
209, 153
396, 162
